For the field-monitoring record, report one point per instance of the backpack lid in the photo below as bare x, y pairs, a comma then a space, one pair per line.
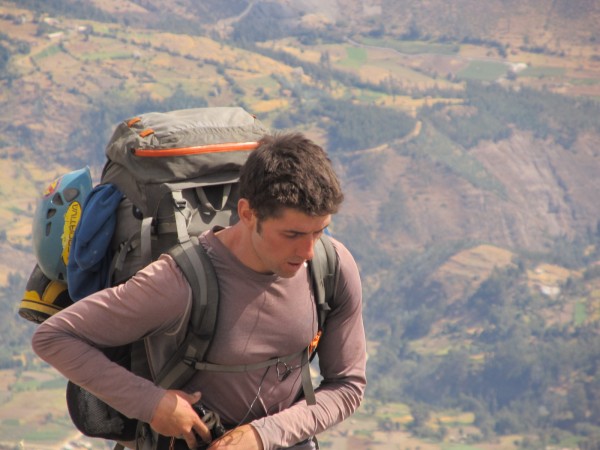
185, 144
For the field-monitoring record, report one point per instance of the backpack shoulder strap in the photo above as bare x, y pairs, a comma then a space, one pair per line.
325, 273
198, 270
196, 266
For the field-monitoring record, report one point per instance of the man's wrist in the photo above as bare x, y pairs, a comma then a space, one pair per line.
257, 437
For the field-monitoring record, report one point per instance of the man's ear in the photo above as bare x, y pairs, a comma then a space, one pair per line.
246, 214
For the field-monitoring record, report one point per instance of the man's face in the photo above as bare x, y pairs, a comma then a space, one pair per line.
284, 243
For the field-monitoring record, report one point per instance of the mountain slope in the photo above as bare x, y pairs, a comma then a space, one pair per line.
537, 194
464, 132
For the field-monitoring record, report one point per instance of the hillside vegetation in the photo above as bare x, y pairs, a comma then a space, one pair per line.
465, 134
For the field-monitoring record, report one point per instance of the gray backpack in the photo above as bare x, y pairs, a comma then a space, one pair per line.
178, 174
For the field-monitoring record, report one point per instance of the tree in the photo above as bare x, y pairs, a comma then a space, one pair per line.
578, 402
4, 58
420, 414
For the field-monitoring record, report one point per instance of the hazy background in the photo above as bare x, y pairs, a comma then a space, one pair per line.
466, 134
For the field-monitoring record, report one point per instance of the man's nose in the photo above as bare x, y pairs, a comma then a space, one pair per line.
306, 249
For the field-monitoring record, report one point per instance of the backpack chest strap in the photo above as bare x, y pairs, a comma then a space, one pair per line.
280, 364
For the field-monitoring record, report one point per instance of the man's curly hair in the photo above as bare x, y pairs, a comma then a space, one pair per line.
290, 171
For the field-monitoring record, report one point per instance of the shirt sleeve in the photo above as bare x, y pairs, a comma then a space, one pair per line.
342, 361
72, 339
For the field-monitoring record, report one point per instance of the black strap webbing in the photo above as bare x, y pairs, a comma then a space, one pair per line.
325, 271
197, 268
195, 264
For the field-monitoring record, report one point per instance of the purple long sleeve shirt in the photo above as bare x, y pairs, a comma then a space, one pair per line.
260, 317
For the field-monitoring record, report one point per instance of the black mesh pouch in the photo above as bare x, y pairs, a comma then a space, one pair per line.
92, 416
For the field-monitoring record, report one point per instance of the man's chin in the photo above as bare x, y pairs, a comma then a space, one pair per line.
290, 269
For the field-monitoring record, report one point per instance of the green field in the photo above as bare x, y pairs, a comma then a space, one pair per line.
356, 56
33, 411
541, 72
47, 52
580, 314
483, 71
413, 47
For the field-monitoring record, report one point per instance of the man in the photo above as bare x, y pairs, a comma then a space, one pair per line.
288, 193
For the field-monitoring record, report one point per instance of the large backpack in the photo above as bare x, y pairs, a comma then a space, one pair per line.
169, 177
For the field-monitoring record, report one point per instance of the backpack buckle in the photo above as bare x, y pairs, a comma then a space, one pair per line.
189, 361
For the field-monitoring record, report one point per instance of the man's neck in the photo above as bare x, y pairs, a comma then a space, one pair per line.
236, 241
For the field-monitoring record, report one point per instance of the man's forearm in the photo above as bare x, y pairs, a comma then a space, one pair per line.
336, 401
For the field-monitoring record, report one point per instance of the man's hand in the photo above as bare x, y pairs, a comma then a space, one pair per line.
174, 416
240, 438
